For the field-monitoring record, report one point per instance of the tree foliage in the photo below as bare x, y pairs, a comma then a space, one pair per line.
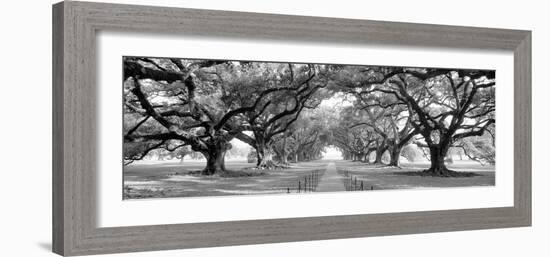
287, 111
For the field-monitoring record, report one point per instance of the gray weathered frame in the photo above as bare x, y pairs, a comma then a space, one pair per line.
74, 153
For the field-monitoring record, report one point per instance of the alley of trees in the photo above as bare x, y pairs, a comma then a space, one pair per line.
184, 106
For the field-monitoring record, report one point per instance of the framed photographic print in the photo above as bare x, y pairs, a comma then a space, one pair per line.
183, 128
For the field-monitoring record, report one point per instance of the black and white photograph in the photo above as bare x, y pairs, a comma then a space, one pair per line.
197, 127
244, 128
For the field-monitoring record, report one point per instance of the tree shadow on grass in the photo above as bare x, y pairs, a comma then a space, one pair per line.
242, 173
453, 174
225, 174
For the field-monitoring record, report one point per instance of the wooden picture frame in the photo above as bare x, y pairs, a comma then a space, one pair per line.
75, 25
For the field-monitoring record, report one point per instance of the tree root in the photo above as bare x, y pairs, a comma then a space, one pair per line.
393, 166
444, 172
272, 166
240, 173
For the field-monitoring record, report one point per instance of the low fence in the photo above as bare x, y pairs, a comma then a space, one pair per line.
305, 184
354, 182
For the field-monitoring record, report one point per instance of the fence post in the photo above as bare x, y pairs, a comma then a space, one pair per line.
361, 185
311, 182
299, 186
316, 178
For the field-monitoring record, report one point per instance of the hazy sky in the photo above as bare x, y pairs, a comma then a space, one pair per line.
332, 153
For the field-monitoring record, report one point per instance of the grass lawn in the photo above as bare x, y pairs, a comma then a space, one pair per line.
153, 179
383, 177
173, 179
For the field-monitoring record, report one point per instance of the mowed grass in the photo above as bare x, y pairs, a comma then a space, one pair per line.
173, 179
384, 177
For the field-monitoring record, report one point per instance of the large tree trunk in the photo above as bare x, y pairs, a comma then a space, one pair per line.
284, 158
379, 153
215, 158
264, 152
300, 156
215, 162
365, 157
345, 155
259, 156
265, 157
395, 153
437, 158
